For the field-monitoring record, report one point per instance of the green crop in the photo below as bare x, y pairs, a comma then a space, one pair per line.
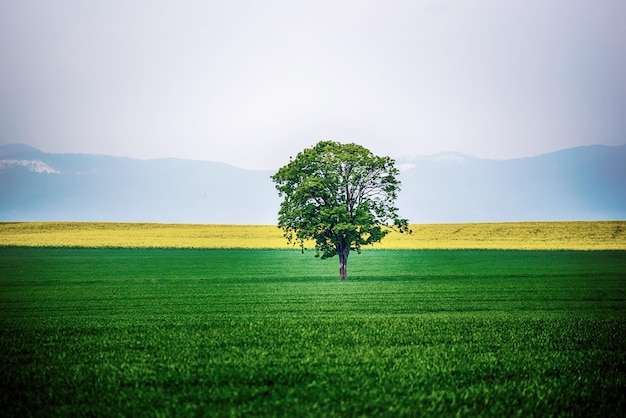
156, 332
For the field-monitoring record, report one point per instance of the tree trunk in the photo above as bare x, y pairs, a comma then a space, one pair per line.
343, 263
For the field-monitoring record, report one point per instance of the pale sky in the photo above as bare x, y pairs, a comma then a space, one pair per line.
251, 83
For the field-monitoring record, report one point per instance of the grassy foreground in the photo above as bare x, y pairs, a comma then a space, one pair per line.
183, 332
599, 235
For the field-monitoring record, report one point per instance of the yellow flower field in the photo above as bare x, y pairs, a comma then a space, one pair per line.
597, 235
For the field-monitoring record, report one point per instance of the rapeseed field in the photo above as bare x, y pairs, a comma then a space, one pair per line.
594, 235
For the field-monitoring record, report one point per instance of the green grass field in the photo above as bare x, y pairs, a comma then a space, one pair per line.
175, 332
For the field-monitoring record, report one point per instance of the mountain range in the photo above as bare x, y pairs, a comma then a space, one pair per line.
584, 183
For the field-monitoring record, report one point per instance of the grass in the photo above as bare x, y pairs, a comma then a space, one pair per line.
595, 235
183, 332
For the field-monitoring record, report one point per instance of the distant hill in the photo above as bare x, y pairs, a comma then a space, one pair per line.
585, 183
40, 186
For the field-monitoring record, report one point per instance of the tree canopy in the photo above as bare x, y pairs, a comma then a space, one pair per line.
339, 195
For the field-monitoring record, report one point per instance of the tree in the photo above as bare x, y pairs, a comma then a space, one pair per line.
339, 195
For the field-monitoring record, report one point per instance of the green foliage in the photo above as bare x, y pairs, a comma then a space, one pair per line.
341, 196
122, 332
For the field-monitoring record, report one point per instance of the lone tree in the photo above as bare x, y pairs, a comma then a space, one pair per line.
339, 195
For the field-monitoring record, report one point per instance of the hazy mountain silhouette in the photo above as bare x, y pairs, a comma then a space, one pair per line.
585, 183
101, 188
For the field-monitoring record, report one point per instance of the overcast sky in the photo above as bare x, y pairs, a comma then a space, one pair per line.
252, 82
